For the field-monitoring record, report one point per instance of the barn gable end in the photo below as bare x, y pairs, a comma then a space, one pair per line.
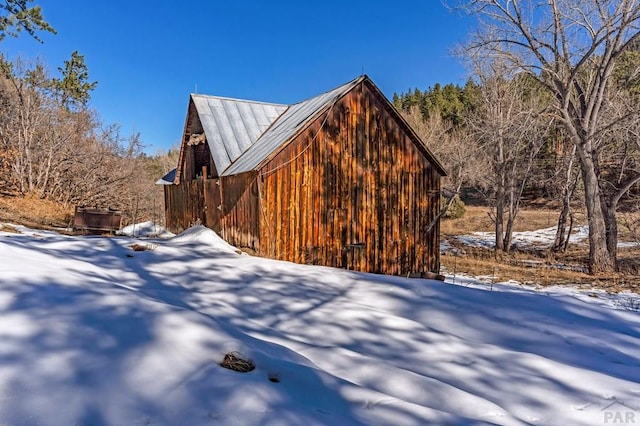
338, 180
356, 189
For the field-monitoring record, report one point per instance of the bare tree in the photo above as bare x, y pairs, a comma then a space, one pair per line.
566, 180
24, 115
620, 156
571, 48
52, 149
463, 159
509, 126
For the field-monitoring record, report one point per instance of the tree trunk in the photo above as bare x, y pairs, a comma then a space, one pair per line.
609, 204
599, 257
515, 194
508, 232
561, 235
499, 217
500, 192
611, 225
566, 241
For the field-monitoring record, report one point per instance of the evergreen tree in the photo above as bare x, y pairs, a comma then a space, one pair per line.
450, 101
74, 87
18, 15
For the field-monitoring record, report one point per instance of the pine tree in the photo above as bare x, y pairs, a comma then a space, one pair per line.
74, 87
18, 15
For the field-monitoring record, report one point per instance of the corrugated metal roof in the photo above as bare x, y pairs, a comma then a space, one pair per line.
232, 126
294, 119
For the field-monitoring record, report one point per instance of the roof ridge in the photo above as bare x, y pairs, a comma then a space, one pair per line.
286, 125
337, 88
226, 98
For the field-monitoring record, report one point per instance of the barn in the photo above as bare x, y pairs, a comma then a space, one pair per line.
337, 180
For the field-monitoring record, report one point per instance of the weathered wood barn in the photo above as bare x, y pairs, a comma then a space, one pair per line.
337, 180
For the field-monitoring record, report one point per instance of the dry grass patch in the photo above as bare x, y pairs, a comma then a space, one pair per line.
237, 362
533, 265
510, 268
34, 212
142, 247
475, 219
5, 227
543, 268
479, 219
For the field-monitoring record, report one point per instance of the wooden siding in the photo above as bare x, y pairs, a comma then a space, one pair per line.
240, 211
184, 205
228, 206
355, 190
192, 202
352, 191
196, 198
187, 159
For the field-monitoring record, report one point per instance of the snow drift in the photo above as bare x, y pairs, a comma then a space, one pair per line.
145, 229
95, 333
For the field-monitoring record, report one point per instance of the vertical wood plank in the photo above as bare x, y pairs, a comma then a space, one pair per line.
357, 178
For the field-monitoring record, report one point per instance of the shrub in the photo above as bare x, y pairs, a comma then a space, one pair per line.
456, 207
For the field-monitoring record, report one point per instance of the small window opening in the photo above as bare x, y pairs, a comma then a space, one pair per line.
201, 156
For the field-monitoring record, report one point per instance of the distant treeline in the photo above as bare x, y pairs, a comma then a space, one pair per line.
502, 142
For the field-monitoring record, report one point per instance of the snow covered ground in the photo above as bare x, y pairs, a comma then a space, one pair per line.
524, 239
145, 229
95, 333
540, 238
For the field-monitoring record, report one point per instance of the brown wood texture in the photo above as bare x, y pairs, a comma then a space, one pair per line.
194, 199
186, 159
184, 205
93, 219
192, 202
240, 214
353, 190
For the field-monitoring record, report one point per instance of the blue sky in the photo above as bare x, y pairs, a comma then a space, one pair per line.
149, 56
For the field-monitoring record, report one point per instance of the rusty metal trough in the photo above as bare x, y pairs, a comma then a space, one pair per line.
96, 220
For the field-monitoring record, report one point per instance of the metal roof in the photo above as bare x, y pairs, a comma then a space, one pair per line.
232, 126
243, 134
294, 119
168, 178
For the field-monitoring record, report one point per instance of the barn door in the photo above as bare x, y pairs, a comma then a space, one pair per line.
353, 244
354, 256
